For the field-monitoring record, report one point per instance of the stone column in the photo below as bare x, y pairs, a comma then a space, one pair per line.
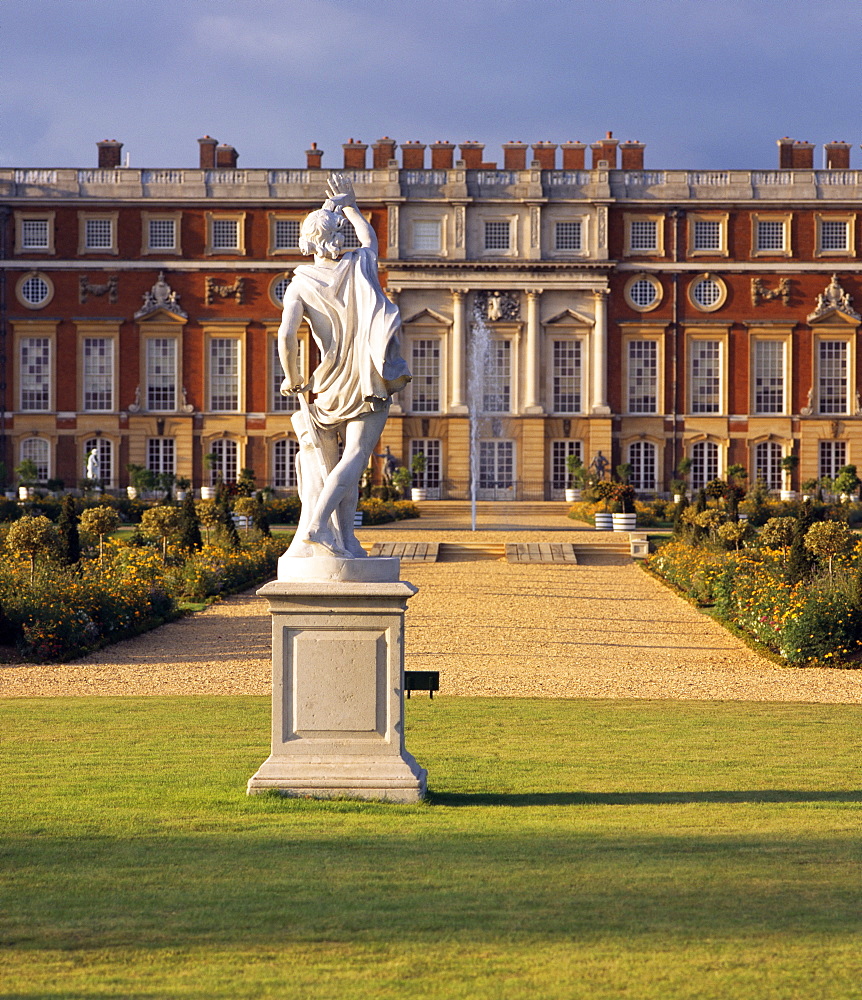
532, 354
600, 353
457, 402
337, 689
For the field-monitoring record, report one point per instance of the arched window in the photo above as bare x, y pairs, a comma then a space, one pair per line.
284, 452
38, 451
767, 463
704, 463
225, 464
104, 454
642, 459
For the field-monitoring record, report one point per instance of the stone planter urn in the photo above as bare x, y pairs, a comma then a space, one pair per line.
418, 494
208, 492
131, 493
624, 522
788, 494
604, 520
572, 495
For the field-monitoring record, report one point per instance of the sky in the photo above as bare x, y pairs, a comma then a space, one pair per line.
706, 84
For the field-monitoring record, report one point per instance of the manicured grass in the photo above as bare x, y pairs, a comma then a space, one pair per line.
570, 849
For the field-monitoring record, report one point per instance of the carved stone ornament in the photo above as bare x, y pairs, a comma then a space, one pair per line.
160, 296
136, 406
224, 291
187, 407
85, 288
834, 300
496, 306
760, 293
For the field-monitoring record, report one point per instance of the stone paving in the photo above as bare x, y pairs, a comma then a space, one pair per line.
601, 628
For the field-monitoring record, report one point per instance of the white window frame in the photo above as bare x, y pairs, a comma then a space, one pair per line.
719, 284
432, 478
784, 219
558, 471
555, 378
512, 222
755, 348
44, 376
286, 479
228, 459
629, 292
692, 342
582, 250
146, 344
85, 337
416, 338
215, 348
84, 218
42, 464
418, 251
831, 456
719, 219
630, 220
21, 218
147, 247
849, 367
767, 455
848, 220
511, 387
278, 403
106, 454
162, 455
632, 377
277, 249
645, 475
711, 463
22, 283
238, 250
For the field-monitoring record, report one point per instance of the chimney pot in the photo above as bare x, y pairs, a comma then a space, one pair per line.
110, 153
207, 152
354, 155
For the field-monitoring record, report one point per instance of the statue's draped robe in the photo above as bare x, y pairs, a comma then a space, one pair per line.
356, 328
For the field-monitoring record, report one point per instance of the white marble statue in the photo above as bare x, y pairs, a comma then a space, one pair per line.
92, 470
356, 328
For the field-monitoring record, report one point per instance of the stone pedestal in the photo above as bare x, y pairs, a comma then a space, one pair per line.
337, 690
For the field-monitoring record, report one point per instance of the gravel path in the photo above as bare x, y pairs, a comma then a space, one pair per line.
602, 629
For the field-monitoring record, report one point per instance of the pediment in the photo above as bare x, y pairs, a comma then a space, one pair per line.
570, 316
834, 304
428, 316
834, 315
162, 313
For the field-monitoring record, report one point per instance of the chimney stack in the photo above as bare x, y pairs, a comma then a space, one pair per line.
546, 154
837, 155
226, 157
382, 152
574, 155
207, 152
442, 155
605, 149
413, 155
110, 154
354, 154
471, 154
632, 155
514, 155
803, 156
313, 157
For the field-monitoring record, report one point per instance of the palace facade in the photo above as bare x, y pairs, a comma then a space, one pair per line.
605, 309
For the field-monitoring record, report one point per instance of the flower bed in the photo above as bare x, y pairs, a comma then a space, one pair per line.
69, 610
814, 621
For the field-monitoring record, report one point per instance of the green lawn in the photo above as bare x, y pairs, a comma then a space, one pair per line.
570, 849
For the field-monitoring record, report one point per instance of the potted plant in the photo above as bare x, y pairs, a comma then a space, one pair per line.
418, 467
28, 476
141, 479
809, 489
401, 479
680, 486
789, 464
183, 485
625, 519
604, 491
577, 474
210, 462
847, 483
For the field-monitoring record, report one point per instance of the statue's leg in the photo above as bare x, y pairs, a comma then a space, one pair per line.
340, 489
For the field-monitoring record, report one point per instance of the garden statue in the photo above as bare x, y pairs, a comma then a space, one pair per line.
92, 469
356, 330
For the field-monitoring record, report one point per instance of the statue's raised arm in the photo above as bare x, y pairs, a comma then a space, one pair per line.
356, 329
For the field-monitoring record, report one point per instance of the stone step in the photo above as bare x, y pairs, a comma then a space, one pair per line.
407, 551
541, 552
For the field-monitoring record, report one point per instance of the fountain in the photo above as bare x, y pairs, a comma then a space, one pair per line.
477, 367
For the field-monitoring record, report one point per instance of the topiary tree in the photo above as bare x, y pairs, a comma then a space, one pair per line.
31, 536
246, 507
161, 522
829, 539
260, 517
67, 529
208, 516
100, 521
778, 533
190, 526
733, 533
847, 481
